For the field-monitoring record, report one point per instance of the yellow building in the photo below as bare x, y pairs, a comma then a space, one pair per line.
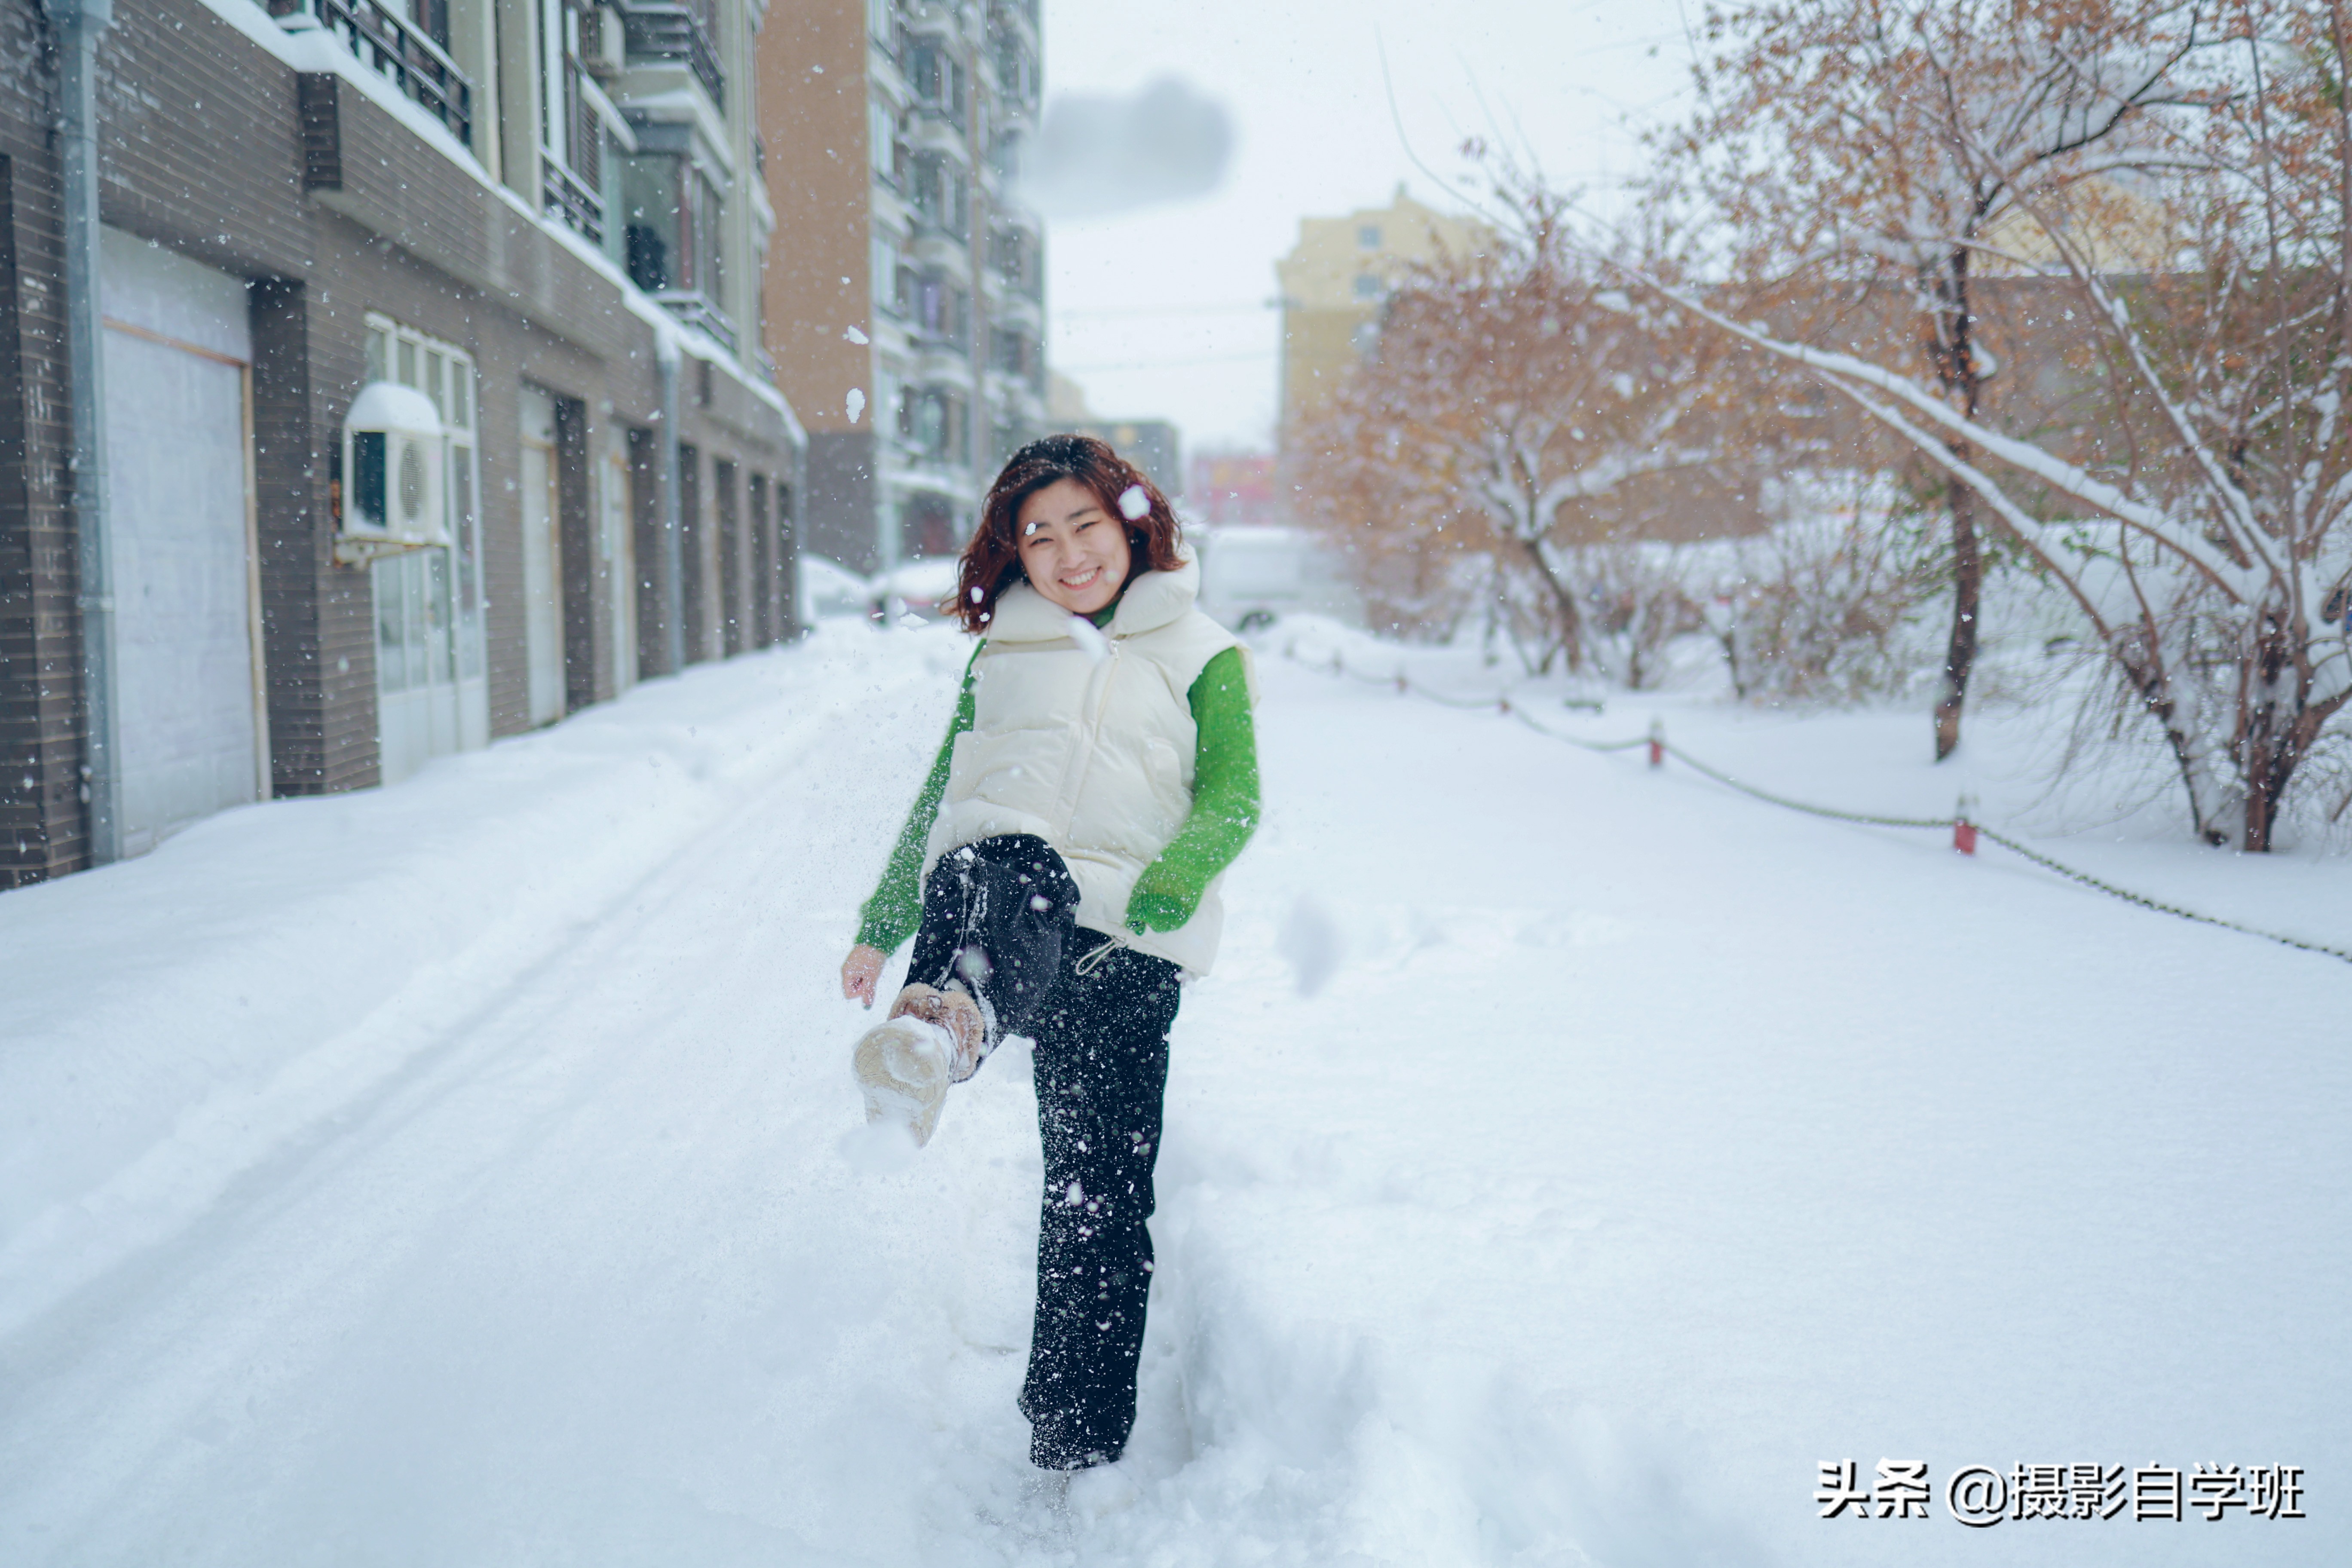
1336, 283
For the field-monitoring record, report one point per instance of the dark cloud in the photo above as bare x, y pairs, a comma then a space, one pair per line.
1097, 155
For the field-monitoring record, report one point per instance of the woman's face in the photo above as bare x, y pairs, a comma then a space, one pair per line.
1075, 554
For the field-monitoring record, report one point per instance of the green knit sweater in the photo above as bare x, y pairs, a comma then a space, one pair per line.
1225, 812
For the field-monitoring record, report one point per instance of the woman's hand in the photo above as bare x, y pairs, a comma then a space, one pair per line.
860, 969
1164, 899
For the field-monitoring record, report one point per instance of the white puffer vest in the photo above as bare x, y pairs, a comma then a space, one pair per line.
1086, 739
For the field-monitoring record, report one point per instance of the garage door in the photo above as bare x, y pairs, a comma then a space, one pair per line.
187, 634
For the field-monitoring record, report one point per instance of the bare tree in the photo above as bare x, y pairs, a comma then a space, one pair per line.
2210, 549
1855, 147
1506, 386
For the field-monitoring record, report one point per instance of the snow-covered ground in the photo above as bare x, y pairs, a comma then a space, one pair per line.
1564, 1160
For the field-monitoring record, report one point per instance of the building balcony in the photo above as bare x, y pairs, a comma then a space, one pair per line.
677, 34
391, 46
945, 17
693, 308
1017, 15
1015, 304
1009, 396
917, 473
566, 198
942, 362
939, 247
933, 129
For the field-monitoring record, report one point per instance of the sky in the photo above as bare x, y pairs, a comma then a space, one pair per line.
1165, 313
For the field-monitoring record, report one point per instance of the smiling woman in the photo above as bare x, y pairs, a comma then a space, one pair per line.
1059, 874
1055, 493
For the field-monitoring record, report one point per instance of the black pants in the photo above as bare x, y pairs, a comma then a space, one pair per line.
998, 915
997, 920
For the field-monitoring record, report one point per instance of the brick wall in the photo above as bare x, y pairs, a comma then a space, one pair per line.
331, 207
42, 829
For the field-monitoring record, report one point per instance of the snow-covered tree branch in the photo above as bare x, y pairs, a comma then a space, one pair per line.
2207, 521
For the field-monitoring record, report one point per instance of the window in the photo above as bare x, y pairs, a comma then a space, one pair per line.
878, 18
936, 76
1013, 351
942, 311
887, 293
444, 373
671, 212
1016, 78
705, 247
571, 132
882, 140
1005, 152
1368, 236
934, 423
1367, 286
1014, 254
940, 193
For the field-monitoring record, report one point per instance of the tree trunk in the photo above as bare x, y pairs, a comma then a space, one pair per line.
2273, 754
1968, 590
1571, 621
1954, 356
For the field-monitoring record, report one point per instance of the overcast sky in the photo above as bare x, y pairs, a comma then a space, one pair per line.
1164, 313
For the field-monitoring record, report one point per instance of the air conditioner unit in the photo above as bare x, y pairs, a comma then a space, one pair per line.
396, 493
604, 45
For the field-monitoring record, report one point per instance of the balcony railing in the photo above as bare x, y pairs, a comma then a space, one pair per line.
680, 33
563, 196
694, 308
393, 46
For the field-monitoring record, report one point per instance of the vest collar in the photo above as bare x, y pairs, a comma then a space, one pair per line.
1150, 602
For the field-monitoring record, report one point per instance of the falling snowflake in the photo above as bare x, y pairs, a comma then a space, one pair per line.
857, 405
1133, 503
852, 335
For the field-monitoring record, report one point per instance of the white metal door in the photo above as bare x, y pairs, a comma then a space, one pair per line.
416, 688
188, 652
542, 560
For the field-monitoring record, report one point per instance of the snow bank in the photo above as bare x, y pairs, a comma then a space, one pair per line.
176, 1020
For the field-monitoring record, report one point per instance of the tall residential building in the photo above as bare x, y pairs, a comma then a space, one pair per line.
905, 306
1335, 286
389, 379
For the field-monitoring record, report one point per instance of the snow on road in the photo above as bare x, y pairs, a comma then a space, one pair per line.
1563, 1162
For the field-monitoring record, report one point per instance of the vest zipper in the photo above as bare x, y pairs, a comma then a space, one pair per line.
1073, 778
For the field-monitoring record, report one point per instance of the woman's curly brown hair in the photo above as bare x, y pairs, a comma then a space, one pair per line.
992, 561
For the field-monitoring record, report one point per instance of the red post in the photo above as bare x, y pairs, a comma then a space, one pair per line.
1657, 743
1964, 829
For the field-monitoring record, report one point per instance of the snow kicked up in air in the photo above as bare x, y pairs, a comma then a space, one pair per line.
1563, 1160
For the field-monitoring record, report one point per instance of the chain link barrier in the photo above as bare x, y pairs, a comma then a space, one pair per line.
1501, 704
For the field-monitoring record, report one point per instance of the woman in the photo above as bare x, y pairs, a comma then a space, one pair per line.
1059, 874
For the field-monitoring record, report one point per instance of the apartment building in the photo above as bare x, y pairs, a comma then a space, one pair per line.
1335, 285
374, 380
907, 314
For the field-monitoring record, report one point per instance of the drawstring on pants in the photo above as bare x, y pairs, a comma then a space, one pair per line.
1096, 959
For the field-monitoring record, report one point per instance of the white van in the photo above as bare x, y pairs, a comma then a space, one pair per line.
1253, 576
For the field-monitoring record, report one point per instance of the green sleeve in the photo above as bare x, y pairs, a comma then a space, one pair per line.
891, 915
1224, 801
